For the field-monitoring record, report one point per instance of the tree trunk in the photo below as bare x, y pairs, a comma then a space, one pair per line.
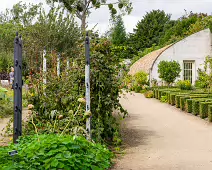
83, 22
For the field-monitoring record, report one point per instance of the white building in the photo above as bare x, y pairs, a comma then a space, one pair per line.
189, 52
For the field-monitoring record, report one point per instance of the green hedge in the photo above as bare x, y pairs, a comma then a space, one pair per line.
177, 100
156, 93
195, 106
188, 105
203, 109
210, 113
182, 102
172, 98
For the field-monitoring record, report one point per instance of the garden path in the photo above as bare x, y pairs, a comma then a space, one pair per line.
3, 124
158, 136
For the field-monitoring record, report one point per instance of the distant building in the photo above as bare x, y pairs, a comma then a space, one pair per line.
189, 52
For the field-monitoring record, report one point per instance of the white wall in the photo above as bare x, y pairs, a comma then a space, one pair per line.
195, 47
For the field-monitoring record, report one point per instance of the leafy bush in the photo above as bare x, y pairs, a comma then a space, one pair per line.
172, 99
61, 93
6, 104
195, 106
177, 100
204, 109
56, 152
141, 78
188, 105
149, 94
184, 85
156, 93
163, 99
139, 81
169, 71
182, 102
210, 113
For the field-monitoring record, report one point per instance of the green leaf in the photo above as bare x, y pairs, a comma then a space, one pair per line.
54, 163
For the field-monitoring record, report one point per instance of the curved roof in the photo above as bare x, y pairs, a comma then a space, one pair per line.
145, 63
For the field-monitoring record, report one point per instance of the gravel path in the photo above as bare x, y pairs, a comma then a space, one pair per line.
3, 124
158, 136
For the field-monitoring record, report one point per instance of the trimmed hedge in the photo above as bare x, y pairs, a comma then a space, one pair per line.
177, 100
195, 106
182, 102
204, 109
172, 98
188, 105
156, 93
210, 113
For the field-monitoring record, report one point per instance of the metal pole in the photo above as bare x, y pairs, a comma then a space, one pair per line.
87, 84
58, 65
44, 66
17, 126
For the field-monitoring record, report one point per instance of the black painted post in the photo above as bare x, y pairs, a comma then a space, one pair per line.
87, 84
17, 126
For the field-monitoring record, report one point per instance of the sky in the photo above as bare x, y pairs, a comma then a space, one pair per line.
100, 17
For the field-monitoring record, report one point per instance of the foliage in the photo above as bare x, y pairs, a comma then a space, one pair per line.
123, 52
163, 99
183, 102
118, 32
59, 97
203, 110
172, 99
210, 113
146, 34
205, 76
83, 8
139, 81
169, 71
56, 152
188, 105
184, 85
6, 104
148, 94
145, 52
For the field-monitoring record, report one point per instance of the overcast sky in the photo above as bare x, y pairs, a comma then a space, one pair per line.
140, 7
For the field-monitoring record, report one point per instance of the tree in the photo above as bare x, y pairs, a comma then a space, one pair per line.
118, 32
169, 71
149, 30
82, 8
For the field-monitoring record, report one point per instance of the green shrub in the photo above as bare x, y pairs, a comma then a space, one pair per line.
182, 102
188, 105
159, 94
156, 93
168, 97
163, 99
172, 99
204, 109
195, 106
148, 94
56, 152
177, 100
210, 113
169, 71
184, 85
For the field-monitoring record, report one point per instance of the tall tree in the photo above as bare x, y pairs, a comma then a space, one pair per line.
149, 30
118, 32
82, 8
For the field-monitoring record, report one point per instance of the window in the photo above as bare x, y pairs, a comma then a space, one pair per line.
188, 71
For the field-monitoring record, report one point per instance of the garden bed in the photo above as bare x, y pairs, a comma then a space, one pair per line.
196, 102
